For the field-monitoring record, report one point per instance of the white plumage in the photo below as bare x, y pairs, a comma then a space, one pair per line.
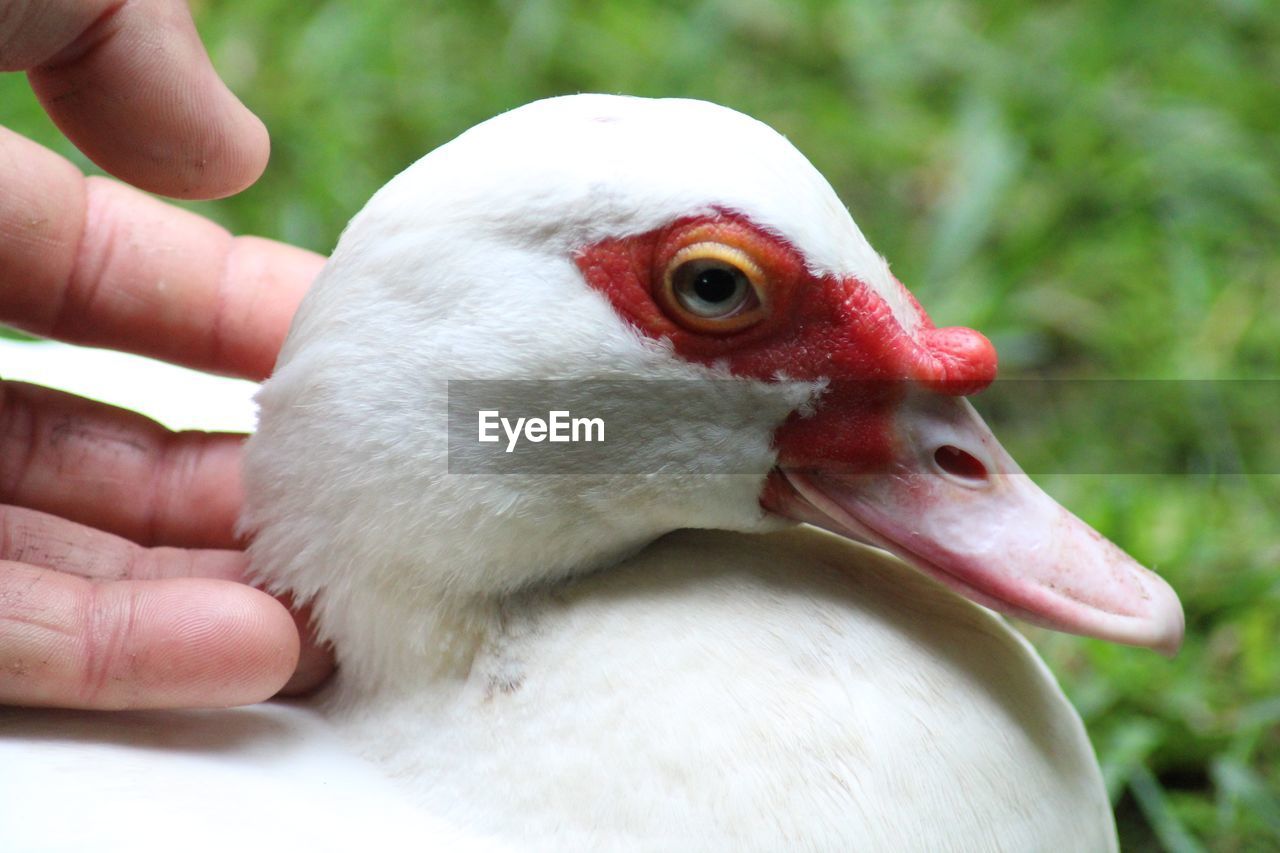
540, 661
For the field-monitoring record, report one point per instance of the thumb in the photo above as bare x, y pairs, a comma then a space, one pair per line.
131, 85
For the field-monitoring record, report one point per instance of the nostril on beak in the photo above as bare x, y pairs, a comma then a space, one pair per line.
960, 463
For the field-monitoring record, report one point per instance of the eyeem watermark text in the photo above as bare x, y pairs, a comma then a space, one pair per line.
558, 426
1223, 427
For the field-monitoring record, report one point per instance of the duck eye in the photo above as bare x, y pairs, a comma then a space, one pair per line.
711, 287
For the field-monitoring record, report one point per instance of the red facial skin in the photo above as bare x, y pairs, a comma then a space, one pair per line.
812, 327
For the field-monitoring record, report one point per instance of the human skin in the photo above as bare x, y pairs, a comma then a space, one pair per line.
122, 582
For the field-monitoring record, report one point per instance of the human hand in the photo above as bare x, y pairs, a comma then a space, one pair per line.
121, 577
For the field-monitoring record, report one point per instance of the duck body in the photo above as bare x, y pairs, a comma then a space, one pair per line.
749, 692
276, 776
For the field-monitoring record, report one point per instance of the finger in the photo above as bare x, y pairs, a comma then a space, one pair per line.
116, 470
45, 541
72, 643
49, 542
131, 85
95, 262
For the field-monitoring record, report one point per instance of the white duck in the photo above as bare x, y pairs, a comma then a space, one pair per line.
553, 662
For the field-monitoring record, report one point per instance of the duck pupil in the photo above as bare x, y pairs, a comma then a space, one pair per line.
715, 285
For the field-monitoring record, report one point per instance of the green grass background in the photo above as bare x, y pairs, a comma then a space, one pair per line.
1094, 184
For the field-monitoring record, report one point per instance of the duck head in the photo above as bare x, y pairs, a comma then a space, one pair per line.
663, 245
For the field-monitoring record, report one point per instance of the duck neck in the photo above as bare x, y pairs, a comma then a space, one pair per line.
412, 646
390, 639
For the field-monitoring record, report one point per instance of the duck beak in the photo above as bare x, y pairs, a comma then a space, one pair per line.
949, 500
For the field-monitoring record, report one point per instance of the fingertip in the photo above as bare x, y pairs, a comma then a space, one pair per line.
221, 152
137, 93
254, 145
212, 643
263, 664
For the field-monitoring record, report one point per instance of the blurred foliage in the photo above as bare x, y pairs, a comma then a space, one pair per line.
1095, 184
